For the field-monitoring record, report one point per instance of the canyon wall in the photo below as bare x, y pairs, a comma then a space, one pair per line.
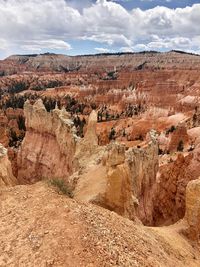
87, 147
172, 180
179, 135
6, 176
192, 214
119, 180
49, 145
110, 62
143, 163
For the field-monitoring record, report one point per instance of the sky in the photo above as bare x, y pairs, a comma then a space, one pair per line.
98, 26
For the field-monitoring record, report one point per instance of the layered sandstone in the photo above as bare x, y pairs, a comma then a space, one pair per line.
119, 180
172, 180
49, 145
108, 183
3, 129
87, 147
6, 176
178, 136
140, 61
143, 164
193, 209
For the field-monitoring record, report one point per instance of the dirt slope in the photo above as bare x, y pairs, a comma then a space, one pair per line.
39, 227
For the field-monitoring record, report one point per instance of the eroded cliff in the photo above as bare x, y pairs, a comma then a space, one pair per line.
120, 180
49, 145
192, 214
6, 176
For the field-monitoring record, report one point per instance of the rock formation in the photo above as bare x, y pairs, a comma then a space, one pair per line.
3, 129
193, 209
118, 192
143, 164
115, 165
6, 176
122, 180
88, 146
172, 179
49, 145
179, 135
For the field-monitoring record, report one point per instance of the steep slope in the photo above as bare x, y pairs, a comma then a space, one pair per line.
39, 227
6, 176
170, 191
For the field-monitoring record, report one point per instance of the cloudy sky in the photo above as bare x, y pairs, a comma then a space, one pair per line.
88, 26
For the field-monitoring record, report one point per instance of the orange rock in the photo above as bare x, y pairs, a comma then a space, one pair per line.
49, 144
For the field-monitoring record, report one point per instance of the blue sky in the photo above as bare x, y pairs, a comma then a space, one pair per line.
87, 26
147, 4
143, 4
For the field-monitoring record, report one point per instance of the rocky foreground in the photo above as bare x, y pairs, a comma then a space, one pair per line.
39, 227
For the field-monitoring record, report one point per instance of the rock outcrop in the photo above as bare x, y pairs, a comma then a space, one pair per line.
118, 194
3, 129
143, 165
179, 136
110, 176
87, 147
192, 214
172, 180
49, 145
122, 181
6, 176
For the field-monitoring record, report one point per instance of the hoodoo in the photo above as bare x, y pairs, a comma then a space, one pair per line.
49, 144
6, 176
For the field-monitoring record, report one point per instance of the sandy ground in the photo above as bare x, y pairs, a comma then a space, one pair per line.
40, 227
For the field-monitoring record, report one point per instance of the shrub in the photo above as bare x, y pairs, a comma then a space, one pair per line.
18, 87
180, 146
160, 151
139, 137
21, 123
171, 130
61, 186
14, 138
112, 134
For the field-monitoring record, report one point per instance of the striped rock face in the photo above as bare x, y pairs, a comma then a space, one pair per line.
193, 208
6, 176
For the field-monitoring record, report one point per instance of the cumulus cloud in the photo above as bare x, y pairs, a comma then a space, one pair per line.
102, 50
127, 49
3, 44
32, 25
37, 46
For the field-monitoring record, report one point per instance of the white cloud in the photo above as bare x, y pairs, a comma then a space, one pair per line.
3, 44
37, 46
102, 50
110, 39
126, 49
32, 25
